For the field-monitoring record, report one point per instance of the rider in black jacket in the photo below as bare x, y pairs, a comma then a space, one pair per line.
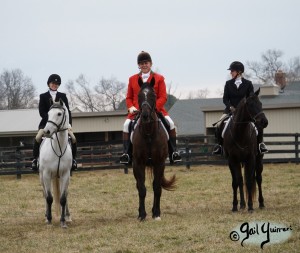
234, 91
46, 101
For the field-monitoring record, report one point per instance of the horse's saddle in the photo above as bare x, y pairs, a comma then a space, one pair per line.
134, 123
226, 124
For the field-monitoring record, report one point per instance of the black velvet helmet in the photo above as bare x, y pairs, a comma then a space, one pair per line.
237, 66
54, 78
143, 56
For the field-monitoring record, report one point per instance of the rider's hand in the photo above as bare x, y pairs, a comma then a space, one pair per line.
232, 109
132, 110
69, 127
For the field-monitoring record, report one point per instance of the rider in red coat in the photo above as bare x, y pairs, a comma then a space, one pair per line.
146, 74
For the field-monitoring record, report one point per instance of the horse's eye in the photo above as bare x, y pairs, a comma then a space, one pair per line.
59, 114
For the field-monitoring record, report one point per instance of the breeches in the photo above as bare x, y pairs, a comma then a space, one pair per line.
127, 122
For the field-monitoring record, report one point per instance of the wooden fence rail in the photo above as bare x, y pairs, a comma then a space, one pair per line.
195, 150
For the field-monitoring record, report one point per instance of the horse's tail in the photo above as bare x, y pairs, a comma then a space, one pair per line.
169, 185
56, 193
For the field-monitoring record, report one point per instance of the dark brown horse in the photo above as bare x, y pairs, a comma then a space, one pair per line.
150, 149
241, 149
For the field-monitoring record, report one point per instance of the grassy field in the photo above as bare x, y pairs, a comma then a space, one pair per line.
196, 217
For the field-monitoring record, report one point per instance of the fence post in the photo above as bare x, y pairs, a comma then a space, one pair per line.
297, 148
125, 169
18, 164
187, 154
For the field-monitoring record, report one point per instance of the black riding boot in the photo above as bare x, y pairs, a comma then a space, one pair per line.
74, 153
126, 157
36, 153
174, 155
262, 148
218, 149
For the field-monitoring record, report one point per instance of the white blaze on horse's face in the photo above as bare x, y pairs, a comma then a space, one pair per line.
56, 120
145, 93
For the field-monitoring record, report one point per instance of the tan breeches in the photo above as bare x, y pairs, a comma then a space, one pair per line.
40, 134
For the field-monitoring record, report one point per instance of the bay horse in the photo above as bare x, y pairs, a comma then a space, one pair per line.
241, 149
150, 149
55, 162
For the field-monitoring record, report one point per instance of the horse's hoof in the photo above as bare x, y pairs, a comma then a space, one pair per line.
234, 209
157, 218
262, 207
141, 218
68, 219
63, 224
250, 210
242, 207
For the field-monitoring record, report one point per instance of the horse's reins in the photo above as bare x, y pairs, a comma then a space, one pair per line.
59, 129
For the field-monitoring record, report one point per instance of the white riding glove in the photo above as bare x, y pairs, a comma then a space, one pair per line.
69, 127
132, 110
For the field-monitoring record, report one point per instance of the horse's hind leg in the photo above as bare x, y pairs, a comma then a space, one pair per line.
259, 169
68, 215
158, 174
139, 174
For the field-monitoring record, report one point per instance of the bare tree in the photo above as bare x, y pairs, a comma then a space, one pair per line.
81, 94
265, 71
112, 93
201, 93
293, 70
105, 96
17, 90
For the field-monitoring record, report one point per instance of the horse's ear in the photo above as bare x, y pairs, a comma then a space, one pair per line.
61, 102
152, 82
140, 81
257, 92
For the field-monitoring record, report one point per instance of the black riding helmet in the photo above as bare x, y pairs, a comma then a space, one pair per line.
143, 56
54, 78
237, 66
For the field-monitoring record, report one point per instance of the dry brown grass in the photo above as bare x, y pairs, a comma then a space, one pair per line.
103, 204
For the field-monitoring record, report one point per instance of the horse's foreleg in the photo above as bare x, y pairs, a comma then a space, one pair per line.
49, 201
157, 189
63, 202
241, 189
259, 169
250, 183
140, 185
234, 187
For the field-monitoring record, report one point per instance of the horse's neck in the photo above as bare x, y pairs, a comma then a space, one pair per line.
62, 137
151, 127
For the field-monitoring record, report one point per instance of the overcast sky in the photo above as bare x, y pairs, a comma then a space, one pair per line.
192, 42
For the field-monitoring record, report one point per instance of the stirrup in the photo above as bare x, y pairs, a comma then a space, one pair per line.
34, 165
262, 148
218, 150
74, 165
176, 157
124, 159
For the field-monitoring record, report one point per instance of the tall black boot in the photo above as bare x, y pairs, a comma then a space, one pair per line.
218, 149
261, 146
126, 157
35, 153
74, 153
174, 155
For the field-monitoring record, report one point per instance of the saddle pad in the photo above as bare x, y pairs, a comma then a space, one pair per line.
161, 124
227, 123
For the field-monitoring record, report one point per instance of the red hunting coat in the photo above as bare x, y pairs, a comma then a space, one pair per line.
134, 88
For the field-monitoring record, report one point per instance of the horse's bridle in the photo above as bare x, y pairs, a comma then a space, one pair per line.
63, 120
